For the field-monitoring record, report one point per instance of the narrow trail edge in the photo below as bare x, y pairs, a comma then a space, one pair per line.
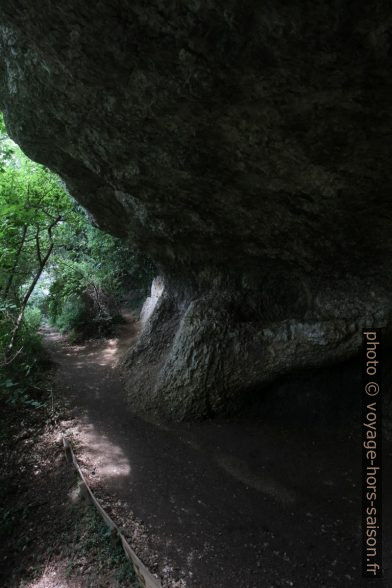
143, 574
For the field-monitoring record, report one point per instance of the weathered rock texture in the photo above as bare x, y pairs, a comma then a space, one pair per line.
244, 146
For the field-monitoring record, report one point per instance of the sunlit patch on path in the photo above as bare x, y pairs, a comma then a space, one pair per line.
206, 502
100, 456
54, 576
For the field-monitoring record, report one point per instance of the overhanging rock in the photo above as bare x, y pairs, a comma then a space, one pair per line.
245, 148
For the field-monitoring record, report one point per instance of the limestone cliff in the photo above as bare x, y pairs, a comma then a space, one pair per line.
243, 146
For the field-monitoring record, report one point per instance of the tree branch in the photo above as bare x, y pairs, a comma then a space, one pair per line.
52, 225
10, 360
30, 290
38, 247
15, 265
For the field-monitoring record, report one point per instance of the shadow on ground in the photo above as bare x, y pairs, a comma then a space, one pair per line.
271, 499
49, 538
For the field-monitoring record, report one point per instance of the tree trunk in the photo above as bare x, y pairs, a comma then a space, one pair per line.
12, 274
26, 299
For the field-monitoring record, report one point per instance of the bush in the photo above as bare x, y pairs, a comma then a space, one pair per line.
32, 319
30, 337
71, 315
18, 376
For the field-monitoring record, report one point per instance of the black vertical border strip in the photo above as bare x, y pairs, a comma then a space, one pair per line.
369, 399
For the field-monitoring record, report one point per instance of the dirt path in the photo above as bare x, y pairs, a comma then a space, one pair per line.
218, 504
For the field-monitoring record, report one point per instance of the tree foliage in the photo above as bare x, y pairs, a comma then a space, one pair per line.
33, 204
52, 259
90, 274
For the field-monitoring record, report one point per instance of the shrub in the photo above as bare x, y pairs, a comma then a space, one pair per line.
71, 314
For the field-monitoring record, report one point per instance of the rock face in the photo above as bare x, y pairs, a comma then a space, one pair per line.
243, 146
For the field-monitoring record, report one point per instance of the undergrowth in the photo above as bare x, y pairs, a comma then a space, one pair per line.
41, 528
92, 536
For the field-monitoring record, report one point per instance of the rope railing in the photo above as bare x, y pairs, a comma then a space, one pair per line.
144, 576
